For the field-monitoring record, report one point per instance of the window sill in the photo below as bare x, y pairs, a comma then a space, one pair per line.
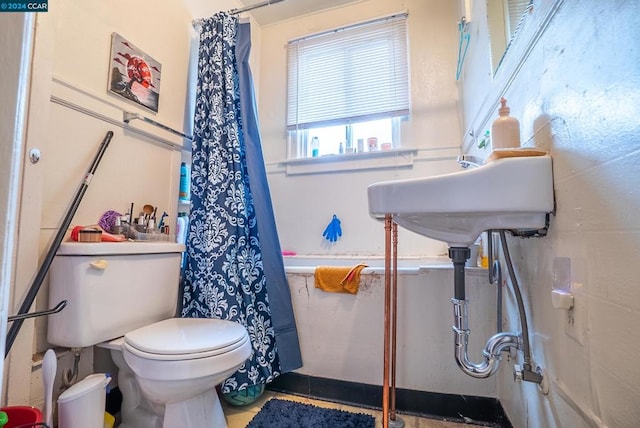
351, 162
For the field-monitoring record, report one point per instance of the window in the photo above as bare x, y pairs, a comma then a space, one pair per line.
349, 88
515, 11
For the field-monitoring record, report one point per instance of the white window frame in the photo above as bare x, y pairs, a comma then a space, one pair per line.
389, 98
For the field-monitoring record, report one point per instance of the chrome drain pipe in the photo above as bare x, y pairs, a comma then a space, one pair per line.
494, 347
500, 341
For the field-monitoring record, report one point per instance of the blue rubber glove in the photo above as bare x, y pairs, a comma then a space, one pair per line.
333, 230
329, 233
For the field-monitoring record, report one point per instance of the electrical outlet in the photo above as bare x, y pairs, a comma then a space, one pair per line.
577, 317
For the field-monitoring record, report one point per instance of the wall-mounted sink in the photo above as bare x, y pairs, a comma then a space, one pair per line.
505, 193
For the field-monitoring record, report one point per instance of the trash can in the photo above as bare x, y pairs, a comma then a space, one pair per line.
21, 415
82, 405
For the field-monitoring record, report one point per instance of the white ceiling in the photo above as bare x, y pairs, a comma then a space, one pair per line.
290, 8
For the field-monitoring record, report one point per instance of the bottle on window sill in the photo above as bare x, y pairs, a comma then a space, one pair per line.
372, 142
315, 147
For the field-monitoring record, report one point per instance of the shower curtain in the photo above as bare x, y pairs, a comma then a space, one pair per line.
234, 267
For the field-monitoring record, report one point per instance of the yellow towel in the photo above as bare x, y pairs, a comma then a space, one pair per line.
339, 279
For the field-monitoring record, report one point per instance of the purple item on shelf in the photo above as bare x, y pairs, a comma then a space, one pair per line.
108, 220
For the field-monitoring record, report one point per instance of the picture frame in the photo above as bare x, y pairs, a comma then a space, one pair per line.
133, 74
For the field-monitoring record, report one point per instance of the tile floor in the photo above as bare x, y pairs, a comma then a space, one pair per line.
239, 417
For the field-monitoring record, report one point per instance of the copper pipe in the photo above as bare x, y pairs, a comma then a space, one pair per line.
394, 319
387, 305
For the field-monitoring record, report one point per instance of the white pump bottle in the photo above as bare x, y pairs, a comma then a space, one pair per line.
505, 130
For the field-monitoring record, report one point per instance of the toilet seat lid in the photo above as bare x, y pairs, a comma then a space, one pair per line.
180, 336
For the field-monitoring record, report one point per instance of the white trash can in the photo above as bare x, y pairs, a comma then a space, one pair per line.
82, 405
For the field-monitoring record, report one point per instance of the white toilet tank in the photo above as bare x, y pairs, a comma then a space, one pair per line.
111, 288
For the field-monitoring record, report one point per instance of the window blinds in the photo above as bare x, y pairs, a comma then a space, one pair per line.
515, 11
348, 75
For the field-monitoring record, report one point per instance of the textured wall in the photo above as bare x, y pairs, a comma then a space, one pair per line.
576, 95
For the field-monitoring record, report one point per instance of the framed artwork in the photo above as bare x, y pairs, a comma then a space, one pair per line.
133, 74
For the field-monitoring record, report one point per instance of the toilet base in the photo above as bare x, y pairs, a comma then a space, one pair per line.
203, 410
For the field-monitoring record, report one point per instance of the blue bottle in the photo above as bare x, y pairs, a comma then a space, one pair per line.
183, 192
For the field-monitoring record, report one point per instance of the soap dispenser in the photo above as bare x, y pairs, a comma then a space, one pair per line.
505, 130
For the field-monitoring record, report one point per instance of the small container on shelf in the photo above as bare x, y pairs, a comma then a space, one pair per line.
315, 147
155, 237
89, 235
185, 179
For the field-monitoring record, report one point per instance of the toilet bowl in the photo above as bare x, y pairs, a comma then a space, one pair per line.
168, 367
168, 371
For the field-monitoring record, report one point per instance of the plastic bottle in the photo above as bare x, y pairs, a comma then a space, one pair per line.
505, 130
184, 182
315, 147
484, 250
349, 146
182, 228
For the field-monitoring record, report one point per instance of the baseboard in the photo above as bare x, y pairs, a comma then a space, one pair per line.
460, 408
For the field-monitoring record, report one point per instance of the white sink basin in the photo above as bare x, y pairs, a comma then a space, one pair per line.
507, 193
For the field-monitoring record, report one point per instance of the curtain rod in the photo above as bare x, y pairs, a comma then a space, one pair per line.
196, 22
350, 26
254, 6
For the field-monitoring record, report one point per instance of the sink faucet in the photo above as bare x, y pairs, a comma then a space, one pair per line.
467, 161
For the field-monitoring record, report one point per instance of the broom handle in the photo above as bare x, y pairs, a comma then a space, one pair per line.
53, 249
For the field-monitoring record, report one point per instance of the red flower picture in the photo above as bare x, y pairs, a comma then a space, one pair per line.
133, 74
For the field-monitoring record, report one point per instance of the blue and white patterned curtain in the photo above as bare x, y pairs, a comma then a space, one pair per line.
224, 274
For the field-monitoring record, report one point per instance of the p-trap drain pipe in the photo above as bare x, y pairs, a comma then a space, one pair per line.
495, 345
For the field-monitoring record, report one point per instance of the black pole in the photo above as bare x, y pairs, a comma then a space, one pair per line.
53, 249
459, 256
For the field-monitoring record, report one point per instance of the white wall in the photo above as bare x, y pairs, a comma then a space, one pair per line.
304, 204
71, 63
576, 95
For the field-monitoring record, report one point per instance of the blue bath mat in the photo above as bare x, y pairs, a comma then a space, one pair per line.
289, 414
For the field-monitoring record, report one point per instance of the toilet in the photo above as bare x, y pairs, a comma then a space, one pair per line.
123, 296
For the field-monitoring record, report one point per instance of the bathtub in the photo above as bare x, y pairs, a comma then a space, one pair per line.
341, 334
406, 265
